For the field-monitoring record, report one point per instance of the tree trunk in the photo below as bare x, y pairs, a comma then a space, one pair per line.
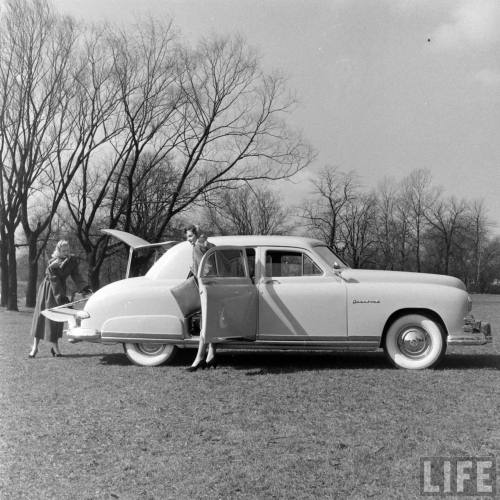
419, 266
446, 269
12, 277
94, 270
32, 273
4, 271
94, 278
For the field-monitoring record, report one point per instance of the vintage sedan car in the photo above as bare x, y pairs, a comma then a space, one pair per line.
277, 292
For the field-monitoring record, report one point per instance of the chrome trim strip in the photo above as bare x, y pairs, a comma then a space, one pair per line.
289, 345
317, 338
163, 338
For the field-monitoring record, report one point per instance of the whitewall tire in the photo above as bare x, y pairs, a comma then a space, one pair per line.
415, 342
149, 354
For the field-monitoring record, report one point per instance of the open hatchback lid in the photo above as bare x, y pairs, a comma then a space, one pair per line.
135, 243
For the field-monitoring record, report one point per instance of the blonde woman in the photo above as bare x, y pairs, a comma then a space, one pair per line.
52, 292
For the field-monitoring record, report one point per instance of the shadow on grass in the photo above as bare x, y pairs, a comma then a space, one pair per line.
258, 363
288, 362
470, 362
278, 363
88, 355
268, 363
120, 359
115, 359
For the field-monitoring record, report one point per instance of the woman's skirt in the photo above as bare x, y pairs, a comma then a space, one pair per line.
41, 327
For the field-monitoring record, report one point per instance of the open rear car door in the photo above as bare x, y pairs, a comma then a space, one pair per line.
228, 295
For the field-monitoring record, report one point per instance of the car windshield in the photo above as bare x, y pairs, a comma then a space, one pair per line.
330, 258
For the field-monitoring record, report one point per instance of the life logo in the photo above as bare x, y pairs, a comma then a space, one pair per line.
460, 476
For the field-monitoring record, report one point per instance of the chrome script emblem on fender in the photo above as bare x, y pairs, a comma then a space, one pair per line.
366, 301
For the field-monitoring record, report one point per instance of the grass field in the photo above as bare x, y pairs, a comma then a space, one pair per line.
91, 425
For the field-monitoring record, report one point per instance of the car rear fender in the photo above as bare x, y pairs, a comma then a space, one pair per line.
143, 328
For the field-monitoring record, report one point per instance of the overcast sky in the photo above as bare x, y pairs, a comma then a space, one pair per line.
385, 86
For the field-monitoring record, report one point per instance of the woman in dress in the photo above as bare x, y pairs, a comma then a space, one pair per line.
52, 292
200, 247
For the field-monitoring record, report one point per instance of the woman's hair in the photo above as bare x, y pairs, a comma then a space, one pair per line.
57, 250
191, 228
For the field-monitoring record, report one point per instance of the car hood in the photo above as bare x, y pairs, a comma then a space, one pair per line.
370, 276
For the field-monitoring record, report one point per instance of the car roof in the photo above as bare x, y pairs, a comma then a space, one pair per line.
267, 240
176, 262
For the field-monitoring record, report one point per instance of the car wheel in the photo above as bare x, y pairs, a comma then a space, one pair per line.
149, 354
415, 342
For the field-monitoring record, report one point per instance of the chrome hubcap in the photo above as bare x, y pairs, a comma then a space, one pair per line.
414, 342
151, 349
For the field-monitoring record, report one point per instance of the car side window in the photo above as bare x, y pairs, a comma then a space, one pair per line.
309, 267
225, 263
283, 263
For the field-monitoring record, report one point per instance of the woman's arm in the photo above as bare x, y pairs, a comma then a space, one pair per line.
55, 278
78, 280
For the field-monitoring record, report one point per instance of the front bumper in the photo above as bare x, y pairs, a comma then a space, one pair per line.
474, 332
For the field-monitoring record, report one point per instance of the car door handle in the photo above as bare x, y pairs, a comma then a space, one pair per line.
272, 281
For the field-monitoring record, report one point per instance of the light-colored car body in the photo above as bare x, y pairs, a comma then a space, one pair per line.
278, 292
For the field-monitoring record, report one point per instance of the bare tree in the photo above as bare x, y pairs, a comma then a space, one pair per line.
62, 112
447, 218
234, 126
246, 209
417, 198
142, 72
149, 200
36, 50
490, 267
479, 230
209, 117
472, 243
388, 226
333, 191
358, 229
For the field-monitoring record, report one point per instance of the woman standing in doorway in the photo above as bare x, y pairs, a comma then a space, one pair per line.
52, 292
200, 247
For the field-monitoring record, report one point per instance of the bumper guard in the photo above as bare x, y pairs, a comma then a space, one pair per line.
475, 332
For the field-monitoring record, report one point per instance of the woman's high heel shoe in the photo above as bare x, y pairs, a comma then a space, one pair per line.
55, 354
32, 354
211, 364
193, 368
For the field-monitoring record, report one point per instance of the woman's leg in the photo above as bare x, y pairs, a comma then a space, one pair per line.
201, 352
55, 346
200, 355
34, 348
211, 352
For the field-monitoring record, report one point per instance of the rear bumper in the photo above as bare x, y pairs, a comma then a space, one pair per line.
474, 332
82, 334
